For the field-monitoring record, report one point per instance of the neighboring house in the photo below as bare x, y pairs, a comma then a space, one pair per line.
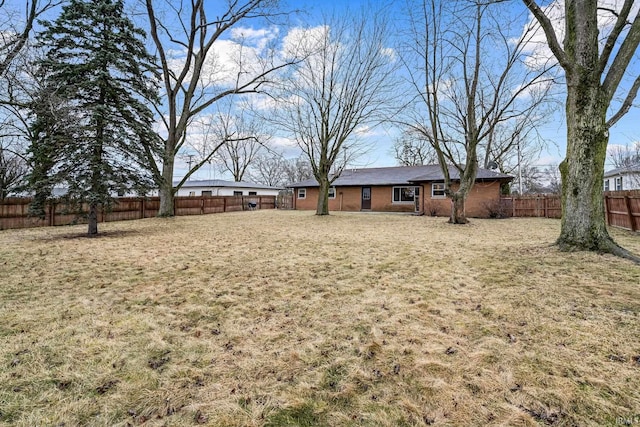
217, 187
208, 187
401, 189
626, 178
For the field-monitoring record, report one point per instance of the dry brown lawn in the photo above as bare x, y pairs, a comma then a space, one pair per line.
279, 318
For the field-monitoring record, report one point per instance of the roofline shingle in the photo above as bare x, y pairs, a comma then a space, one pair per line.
399, 175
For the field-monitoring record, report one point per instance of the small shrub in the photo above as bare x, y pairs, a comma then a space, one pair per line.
496, 209
431, 209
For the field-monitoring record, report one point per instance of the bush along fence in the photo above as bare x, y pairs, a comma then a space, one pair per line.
622, 208
14, 212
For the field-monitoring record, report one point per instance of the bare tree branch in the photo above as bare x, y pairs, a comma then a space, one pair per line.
14, 42
622, 59
192, 83
466, 102
550, 33
345, 83
620, 24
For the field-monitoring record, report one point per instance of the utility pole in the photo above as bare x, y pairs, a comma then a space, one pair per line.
189, 159
519, 169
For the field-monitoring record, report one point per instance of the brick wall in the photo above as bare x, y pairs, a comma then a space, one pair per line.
349, 199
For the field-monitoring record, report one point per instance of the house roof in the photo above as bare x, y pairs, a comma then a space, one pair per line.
622, 171
221, 183
398, 175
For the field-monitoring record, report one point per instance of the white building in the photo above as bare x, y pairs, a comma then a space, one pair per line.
218, 187
207, 187
627, 178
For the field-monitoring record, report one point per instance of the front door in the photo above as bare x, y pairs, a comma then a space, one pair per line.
366, 198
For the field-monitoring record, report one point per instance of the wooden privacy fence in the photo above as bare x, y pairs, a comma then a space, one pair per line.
14, 212
622, 208
532, 206
285, 200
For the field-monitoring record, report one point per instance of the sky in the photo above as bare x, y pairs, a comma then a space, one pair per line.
380, 139
553, 131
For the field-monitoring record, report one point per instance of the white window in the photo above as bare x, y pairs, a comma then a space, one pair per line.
606, 185
302, 193
237, 193
207, 193
405, 194
437, 189
619, 183
332, 192
192, 193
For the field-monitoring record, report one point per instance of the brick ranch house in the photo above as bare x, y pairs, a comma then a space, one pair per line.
418, 189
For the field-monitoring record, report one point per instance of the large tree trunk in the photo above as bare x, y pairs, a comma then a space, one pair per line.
93, 220
166, 191
467, 180
593, 73
458, 214
323, 197
583, 218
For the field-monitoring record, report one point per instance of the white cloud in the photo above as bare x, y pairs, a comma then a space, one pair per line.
363, 131
303, 40
537, 48
282, 142
257, 38
261, 102
237, 58
390, 53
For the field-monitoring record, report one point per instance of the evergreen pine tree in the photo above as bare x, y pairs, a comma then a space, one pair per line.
92, 129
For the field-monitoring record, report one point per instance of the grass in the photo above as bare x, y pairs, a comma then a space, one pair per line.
273, 318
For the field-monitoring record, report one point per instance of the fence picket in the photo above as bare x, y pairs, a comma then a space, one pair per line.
622, 208
14, 211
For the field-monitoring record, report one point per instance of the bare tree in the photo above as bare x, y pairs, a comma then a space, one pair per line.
343, 86
530, 180
14, 136
593, 75
13, 169
627, 158
245, 138
298, 169
412, 149
269, 168
554, 181
464, 98
195, 79
16, 27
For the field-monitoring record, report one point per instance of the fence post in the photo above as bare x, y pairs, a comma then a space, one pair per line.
632, 223
513, 206
224, 203
546, 206
202, 206
52, 213
606, 209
